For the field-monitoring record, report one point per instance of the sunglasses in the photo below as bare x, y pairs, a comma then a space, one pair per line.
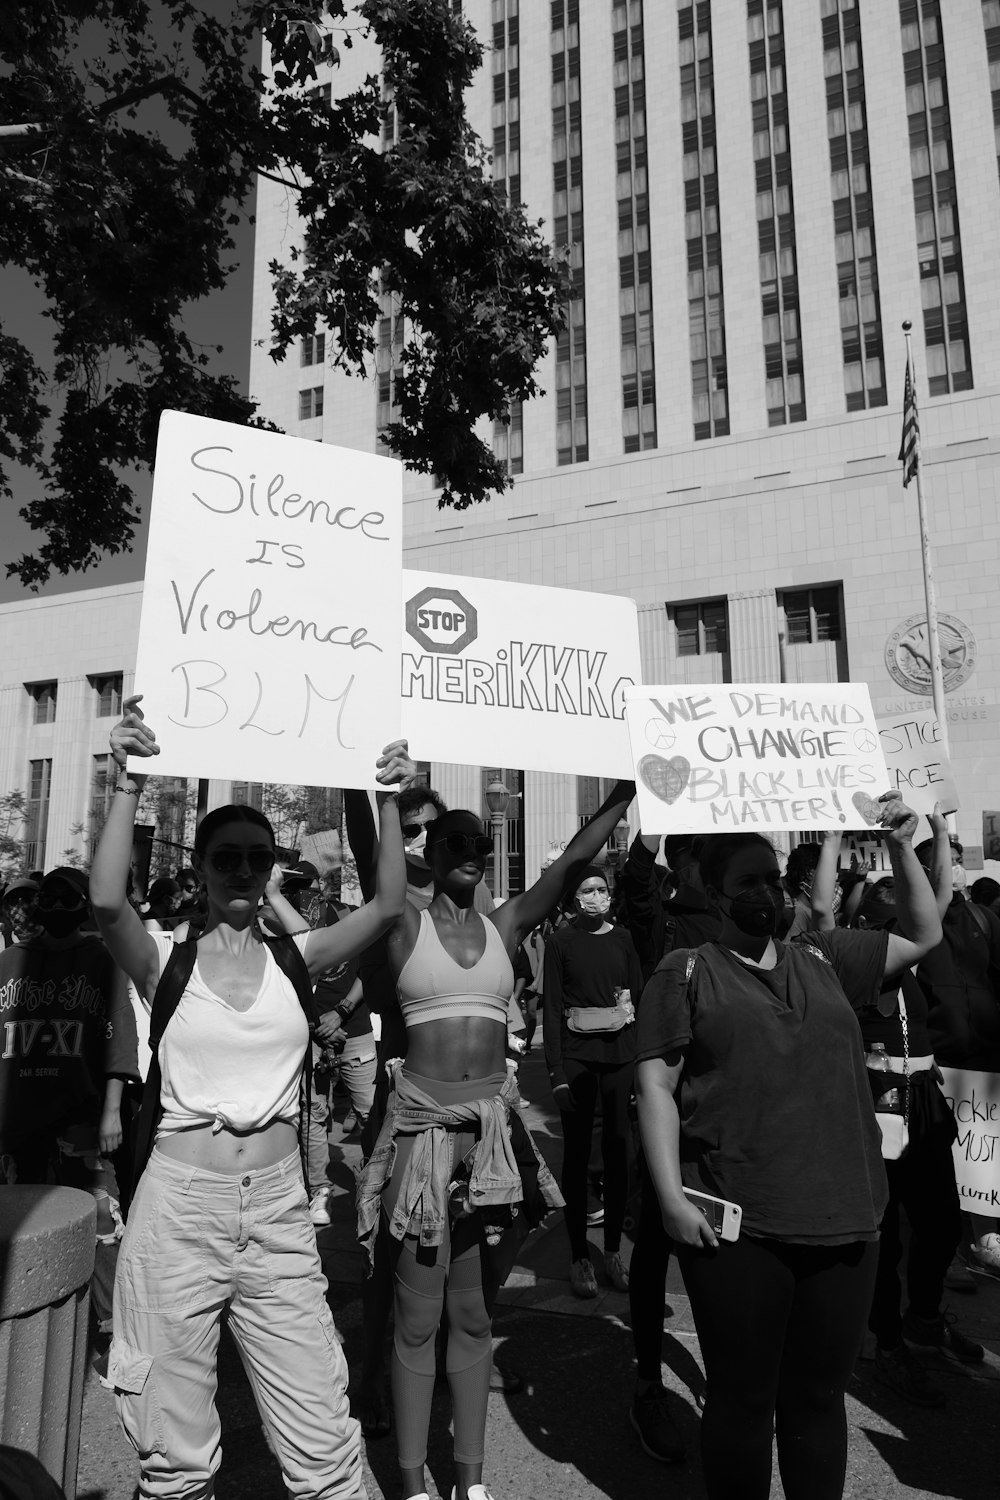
49, 902
462, 843
410, 830
228, 861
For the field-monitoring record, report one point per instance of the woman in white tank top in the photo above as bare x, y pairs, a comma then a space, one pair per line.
220, 1217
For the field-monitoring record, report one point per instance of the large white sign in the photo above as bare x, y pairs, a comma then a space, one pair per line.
783, 757
269, 639
510, 674
918, 767
975, 1102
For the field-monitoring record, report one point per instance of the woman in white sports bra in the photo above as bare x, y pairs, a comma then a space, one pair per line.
220, 1221
453, 1166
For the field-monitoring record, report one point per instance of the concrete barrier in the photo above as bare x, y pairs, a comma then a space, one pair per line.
46, 1259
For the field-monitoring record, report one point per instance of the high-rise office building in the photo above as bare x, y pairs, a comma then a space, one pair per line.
754, 195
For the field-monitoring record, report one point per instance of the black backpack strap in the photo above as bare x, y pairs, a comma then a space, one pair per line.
172, 984
287, 955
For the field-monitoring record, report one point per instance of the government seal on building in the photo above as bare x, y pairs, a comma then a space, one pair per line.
908, 656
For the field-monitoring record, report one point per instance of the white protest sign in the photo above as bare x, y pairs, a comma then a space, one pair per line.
511, 674
975, 1102
783, 757
918, 767
269, 637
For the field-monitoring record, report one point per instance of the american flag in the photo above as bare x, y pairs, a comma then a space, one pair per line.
909, 448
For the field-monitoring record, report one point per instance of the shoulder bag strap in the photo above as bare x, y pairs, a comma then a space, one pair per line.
288, 957
173, 981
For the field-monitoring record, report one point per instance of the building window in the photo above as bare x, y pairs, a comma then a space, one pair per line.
310, 403
635, 289
312, 350
935, 202
812, 615
36, 821
507, 98
779, 283
508, 439
700, 629
706, 307
991, 25
102, 789
44, 696
572, 440
853, 222
812, 639
174, 808
388, 365
107, 694
591, 794
249, 794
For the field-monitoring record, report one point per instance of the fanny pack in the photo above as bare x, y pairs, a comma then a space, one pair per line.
594, 1019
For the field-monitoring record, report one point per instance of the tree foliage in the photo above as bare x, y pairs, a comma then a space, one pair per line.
128, 145
13, 845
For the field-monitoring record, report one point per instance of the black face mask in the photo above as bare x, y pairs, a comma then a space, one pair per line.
757, 915
60, 922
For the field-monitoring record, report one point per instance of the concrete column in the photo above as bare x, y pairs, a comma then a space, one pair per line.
753, 636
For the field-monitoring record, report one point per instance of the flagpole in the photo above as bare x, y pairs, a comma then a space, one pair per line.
930, 601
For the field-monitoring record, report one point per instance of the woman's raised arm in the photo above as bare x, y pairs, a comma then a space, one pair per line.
121, 926
327, 946
517, 917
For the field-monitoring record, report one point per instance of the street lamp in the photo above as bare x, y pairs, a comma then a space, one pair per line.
615, 858
497, 801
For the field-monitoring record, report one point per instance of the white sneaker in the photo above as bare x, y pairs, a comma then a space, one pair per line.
476, 1492
319, 1207
986, 1255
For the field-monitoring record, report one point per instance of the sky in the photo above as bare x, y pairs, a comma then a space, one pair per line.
222, 318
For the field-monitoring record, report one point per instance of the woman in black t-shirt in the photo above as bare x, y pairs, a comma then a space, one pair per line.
752, 1087
592, 980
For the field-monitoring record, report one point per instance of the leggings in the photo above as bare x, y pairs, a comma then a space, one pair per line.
647, 1280
431, 1280
613, 1082
923, 1184
780, 1327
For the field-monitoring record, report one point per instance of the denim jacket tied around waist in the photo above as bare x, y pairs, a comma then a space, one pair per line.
422, 1204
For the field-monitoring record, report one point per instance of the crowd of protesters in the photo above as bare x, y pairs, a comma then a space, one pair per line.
719, 1024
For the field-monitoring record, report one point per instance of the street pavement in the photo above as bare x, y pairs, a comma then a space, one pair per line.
566, 1436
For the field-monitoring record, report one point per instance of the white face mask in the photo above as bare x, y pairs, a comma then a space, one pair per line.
594, 903
958, 881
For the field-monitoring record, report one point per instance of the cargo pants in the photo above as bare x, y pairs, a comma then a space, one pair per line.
196, 1244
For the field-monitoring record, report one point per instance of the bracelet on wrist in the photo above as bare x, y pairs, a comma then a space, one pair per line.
129, 791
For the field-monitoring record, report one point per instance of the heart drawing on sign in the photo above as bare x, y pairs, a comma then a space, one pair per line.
666, 779
869, 809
